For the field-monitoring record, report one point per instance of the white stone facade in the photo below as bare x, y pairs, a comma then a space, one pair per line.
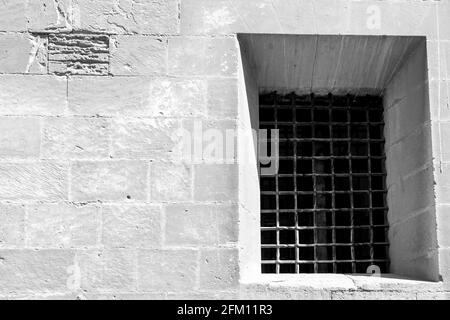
94, 202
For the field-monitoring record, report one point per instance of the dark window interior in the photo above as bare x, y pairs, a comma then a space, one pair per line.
324, 211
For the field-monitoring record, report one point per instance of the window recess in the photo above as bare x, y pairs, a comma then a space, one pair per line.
325, 209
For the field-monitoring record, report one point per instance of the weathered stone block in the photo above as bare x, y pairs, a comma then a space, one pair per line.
167, 270
209, 141
201, 224
171, 97
131, 226
138, 55
170, 181
20, 137
21, 53
12, 17
75, 138
33, 181
222, 98
107, 270
144, 138
143, 17
215, 182
219, 269
379, 18
32, 95
136, 96
203, 56
78, 54
62, 226
49, 15
188, 224
12, 225
23, 271
106, 96
109, 180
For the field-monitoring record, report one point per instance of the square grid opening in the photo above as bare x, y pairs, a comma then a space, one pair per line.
325, 210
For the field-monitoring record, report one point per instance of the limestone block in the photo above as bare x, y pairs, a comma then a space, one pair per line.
109, 180
188, 224
32, 95
22, 53
167, 270
75, 138
138, 55
33, 181
62, 226
20, 137
136, 226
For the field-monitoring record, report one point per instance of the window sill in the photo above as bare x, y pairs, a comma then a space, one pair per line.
326, 281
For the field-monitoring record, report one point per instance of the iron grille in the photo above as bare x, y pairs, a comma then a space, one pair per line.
324, 211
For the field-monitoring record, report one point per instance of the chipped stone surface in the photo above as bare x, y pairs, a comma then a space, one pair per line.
132, 226
20, 53
49, 15
127, 16
222, 98
33, 181
62, 225
78, 54
36, 15
75, 138
109, 180
138, 55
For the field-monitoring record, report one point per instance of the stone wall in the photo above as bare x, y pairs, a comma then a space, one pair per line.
94, 202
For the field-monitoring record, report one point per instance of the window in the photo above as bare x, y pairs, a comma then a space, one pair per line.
324, 211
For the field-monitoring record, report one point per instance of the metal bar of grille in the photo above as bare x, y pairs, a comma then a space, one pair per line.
325, 208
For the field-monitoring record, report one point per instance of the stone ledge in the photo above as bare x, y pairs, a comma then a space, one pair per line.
339, 282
